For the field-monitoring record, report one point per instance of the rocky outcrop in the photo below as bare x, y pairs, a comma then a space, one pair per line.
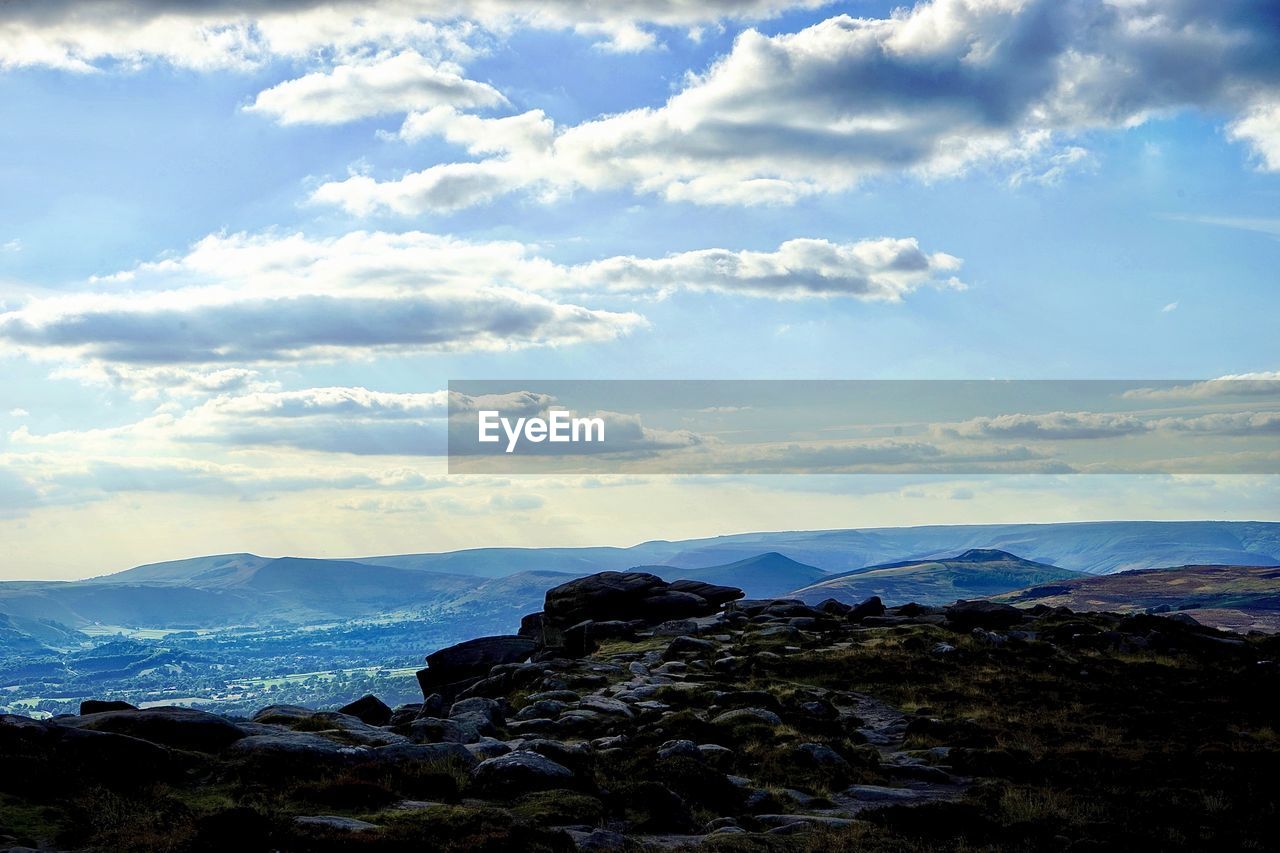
734, 719
181, 728
574, 613
451, 670
576, 618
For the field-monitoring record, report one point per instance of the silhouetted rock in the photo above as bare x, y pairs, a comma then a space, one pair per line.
713, 593
967, 615
452, 669
873, 606
97, 706
369, 709
531, 627
184, 728
45, 757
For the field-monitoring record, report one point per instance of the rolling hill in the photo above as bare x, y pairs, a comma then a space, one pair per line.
1098, 547
977, 573
897, 563
239, 590
763, 576
1094, 547
1236, 597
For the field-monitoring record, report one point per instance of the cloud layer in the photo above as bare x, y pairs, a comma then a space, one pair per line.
84, 35
234, 301
933, 91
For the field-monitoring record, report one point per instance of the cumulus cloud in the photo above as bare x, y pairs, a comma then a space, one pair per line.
1070, 426
1050, 426
932, 91
199, 323
395, 84
210, 326
83, 35
881, 269
1262, 383
257, 299
334, 419
1260, 129
149, 382
1226, 423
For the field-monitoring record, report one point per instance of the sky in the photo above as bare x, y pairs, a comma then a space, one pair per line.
244, 246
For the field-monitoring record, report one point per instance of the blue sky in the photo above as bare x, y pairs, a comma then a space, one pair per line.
1077, 205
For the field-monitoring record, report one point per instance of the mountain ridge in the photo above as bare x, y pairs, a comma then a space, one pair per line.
976, 573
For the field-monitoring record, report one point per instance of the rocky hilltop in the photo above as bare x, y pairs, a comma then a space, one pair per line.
632, 713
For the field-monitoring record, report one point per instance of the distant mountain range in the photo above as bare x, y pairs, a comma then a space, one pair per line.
1236, 597
496, 584
977, 573
1096, 547
231, 591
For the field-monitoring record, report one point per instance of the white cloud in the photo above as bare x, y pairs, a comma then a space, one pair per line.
1260, 128
201, 323
1226, 423
257, 299
18, 413
880, 269
1170, 308
84, 35
1262, 383
1050, 425
11, 246
395, 84
933, 91
1069, 426
148, 382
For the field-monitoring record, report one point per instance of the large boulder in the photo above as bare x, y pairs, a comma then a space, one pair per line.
43, 757
872, 607
967, 615
182, 728
451, 670
368, 709
518, 773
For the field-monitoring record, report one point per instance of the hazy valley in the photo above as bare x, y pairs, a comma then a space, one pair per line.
235, 631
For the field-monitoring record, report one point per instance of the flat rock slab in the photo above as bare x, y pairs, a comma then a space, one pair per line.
335, 823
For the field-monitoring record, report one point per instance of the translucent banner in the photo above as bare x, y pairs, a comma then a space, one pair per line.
1221, 426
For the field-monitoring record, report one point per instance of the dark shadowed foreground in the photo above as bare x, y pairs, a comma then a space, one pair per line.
634, 714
